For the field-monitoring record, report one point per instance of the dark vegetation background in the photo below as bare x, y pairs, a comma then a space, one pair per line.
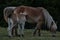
53, 6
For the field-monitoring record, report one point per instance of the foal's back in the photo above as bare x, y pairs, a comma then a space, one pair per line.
7, 11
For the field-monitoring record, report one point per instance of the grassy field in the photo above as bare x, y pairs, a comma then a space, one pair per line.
45, 35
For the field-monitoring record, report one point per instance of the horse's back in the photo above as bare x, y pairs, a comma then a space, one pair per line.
35, 13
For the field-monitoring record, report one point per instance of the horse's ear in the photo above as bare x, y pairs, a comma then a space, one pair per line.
40, 9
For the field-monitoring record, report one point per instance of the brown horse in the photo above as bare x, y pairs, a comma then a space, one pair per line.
37, 15
33, 15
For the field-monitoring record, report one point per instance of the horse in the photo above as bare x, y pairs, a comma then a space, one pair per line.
37, 15
30, 17
10, 18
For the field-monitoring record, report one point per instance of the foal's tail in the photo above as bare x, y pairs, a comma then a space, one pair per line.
5, 14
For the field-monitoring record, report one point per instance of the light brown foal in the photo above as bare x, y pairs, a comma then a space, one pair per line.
11, 19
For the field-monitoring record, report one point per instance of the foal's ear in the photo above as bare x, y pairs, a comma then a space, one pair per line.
21, 9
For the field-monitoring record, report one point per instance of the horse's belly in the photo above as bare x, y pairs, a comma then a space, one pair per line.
30, 20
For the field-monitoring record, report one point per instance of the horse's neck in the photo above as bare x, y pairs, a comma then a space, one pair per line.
33, 14
32, 19
48, 18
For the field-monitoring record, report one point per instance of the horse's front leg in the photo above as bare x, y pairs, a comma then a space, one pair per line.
38, 28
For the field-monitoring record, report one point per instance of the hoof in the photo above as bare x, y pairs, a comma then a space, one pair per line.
10, 36
22, 35
39, 35
33, 34
18, 35
53, 36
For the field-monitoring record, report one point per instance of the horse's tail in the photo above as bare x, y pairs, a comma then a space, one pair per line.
5, 14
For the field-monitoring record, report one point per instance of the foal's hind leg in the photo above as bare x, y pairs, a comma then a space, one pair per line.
14, 31
10, 26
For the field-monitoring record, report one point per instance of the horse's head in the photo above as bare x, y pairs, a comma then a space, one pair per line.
53, 27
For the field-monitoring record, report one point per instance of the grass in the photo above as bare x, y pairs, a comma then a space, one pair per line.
45, 35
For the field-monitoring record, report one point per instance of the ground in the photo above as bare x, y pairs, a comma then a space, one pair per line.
45, 35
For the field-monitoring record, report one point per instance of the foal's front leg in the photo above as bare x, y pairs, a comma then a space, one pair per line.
21, 29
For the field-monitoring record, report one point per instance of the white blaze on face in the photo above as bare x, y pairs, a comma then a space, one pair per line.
54, 26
